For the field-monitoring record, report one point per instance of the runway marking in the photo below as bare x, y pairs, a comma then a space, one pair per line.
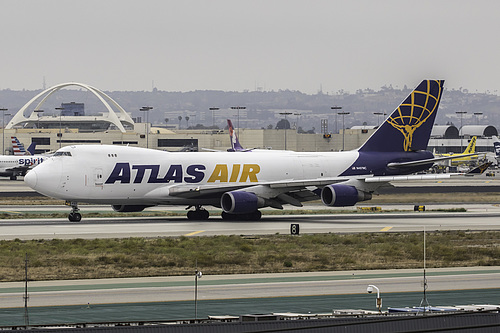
11, 211
386, 229
194, 233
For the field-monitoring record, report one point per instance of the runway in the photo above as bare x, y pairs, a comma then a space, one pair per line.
244, 286
172, 297
477, 217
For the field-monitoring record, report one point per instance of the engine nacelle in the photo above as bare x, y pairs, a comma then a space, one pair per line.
129, 208
240, 202
338, 195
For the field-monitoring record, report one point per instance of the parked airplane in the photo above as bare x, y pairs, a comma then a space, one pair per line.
467, 156
18, 147
131, 179
18, 164
14, 166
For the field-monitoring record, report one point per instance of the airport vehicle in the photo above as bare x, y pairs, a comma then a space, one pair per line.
19, 149
132, 179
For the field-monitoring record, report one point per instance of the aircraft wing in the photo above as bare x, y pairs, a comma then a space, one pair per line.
383, 179
190, 191
302, 190
18, 169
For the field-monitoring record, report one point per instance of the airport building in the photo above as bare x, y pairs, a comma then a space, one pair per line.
73, 126
450, 139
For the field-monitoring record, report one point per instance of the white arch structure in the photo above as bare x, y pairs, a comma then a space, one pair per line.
113, 117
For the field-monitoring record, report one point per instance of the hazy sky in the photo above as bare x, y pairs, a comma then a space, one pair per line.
236, 45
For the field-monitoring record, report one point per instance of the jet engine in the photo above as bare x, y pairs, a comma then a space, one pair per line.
241, 202
129, 208
339, 195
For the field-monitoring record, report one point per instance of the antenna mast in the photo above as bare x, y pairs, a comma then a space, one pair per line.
25, 297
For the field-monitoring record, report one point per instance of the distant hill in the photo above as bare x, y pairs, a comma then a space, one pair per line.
262, 108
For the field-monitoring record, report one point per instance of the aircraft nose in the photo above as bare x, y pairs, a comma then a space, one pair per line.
31, 178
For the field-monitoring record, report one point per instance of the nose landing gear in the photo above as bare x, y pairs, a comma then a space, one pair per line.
75, 215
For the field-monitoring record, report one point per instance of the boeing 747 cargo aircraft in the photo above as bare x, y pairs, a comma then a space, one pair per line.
131, 179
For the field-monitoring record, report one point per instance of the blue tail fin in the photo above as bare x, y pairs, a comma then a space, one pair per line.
235, 143
31, 148
409, 127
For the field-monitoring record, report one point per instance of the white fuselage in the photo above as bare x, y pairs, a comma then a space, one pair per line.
127, 175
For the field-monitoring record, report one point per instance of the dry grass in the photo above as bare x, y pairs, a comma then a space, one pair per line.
102, 258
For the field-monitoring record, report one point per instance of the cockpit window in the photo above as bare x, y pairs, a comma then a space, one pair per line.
62, 153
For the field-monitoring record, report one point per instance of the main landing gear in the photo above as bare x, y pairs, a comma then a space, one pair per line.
75, 215
254, 216
198, 214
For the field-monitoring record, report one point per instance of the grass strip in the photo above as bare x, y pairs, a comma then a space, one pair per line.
138, 257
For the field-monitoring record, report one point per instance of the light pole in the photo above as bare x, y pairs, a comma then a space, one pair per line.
461, 133
60, 125
3, 130
285, 114
336, 108
197, 275
25, 297
379, 299
343, 128
38, 118
378, 114
147, 109
238, 108
213, 117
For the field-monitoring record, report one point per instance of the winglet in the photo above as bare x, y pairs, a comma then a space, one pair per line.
479, 169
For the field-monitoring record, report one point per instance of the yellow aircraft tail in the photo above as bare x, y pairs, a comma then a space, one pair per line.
471, 148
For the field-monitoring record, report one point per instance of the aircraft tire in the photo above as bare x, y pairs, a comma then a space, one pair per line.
201, 214
75, 217
254, 216
228, 217
204, 214
13, 177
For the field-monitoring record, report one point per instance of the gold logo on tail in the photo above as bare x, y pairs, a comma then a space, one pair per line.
408, 117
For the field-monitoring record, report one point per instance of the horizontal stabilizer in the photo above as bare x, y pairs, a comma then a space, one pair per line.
426, 161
